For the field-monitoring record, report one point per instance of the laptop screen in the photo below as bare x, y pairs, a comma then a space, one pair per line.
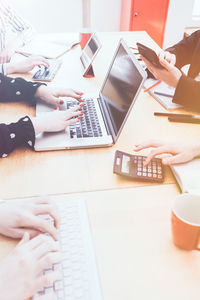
91, 48
123, 81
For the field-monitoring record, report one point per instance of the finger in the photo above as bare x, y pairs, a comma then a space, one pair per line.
166, 65
69, 93
148, 144
45, 248
176, 159
47, 279
34, 222
48, 296
161, 54
157, 151
48, 260
75, 108
72, 121
50, 210
24, 239
36, 241
19, 232
73, 114
173, 59
41, 63
168, 56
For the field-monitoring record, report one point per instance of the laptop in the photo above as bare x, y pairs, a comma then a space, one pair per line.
88, 54
106, 111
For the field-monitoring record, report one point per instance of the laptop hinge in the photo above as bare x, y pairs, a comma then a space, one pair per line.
106, 120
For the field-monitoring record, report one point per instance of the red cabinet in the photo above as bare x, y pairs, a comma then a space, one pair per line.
148, 15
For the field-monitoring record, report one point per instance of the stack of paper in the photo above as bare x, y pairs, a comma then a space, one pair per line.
48, 48
188, 176
162, 87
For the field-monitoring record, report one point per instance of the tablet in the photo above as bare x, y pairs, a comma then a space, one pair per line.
88, 54
150, 55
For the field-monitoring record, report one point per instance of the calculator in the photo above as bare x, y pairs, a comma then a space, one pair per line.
133, 167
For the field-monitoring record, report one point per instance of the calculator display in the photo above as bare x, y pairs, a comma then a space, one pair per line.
125, 164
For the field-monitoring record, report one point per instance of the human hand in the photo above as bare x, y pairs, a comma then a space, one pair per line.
57, 120
180, 153
170, 74
26, 65
168, 56
5, 55
21, 272
52, 95
22, 216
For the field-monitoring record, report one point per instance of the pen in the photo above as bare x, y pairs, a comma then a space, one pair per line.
176, 115
163, 94
152, 86
184, 120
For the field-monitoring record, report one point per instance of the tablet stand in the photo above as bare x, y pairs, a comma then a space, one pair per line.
89, 72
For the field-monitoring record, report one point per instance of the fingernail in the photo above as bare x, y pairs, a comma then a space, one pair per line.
79, 118
56, 107
61, 102
81, 100
82, 104
83, 111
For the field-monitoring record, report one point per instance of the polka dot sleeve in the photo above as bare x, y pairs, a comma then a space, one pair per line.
15, 135
18, 89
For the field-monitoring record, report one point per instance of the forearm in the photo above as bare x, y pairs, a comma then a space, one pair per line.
187, 93
15, 135
17, 89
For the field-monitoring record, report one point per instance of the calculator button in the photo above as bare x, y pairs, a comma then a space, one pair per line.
144, 174
159, 168
159, 176
139, 173
149, 175
135, 161
144, 169
159, 172
149, 170
139, 169
154, 175
154, 171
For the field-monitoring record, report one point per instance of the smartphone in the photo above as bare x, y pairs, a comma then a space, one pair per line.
150, 55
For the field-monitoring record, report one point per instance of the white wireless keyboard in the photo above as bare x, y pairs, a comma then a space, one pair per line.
80, 279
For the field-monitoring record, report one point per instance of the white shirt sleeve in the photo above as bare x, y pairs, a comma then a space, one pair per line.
9, 18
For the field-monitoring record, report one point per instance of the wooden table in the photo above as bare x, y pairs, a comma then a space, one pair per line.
132, 238
27, 173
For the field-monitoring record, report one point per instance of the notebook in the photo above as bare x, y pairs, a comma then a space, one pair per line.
162, 87
106, 111
47, 48
188, 176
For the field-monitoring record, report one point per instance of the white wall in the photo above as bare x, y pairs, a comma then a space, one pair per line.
105, 15
179, 14
66, 15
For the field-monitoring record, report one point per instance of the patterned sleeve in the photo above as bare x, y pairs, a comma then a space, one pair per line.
18, 89
15, 135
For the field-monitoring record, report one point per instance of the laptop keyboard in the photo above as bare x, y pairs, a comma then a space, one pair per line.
47, 74
78, 267
89, 125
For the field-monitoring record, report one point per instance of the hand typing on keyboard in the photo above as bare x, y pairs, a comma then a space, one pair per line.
53, 94
22, 271
27, 64
57, 120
